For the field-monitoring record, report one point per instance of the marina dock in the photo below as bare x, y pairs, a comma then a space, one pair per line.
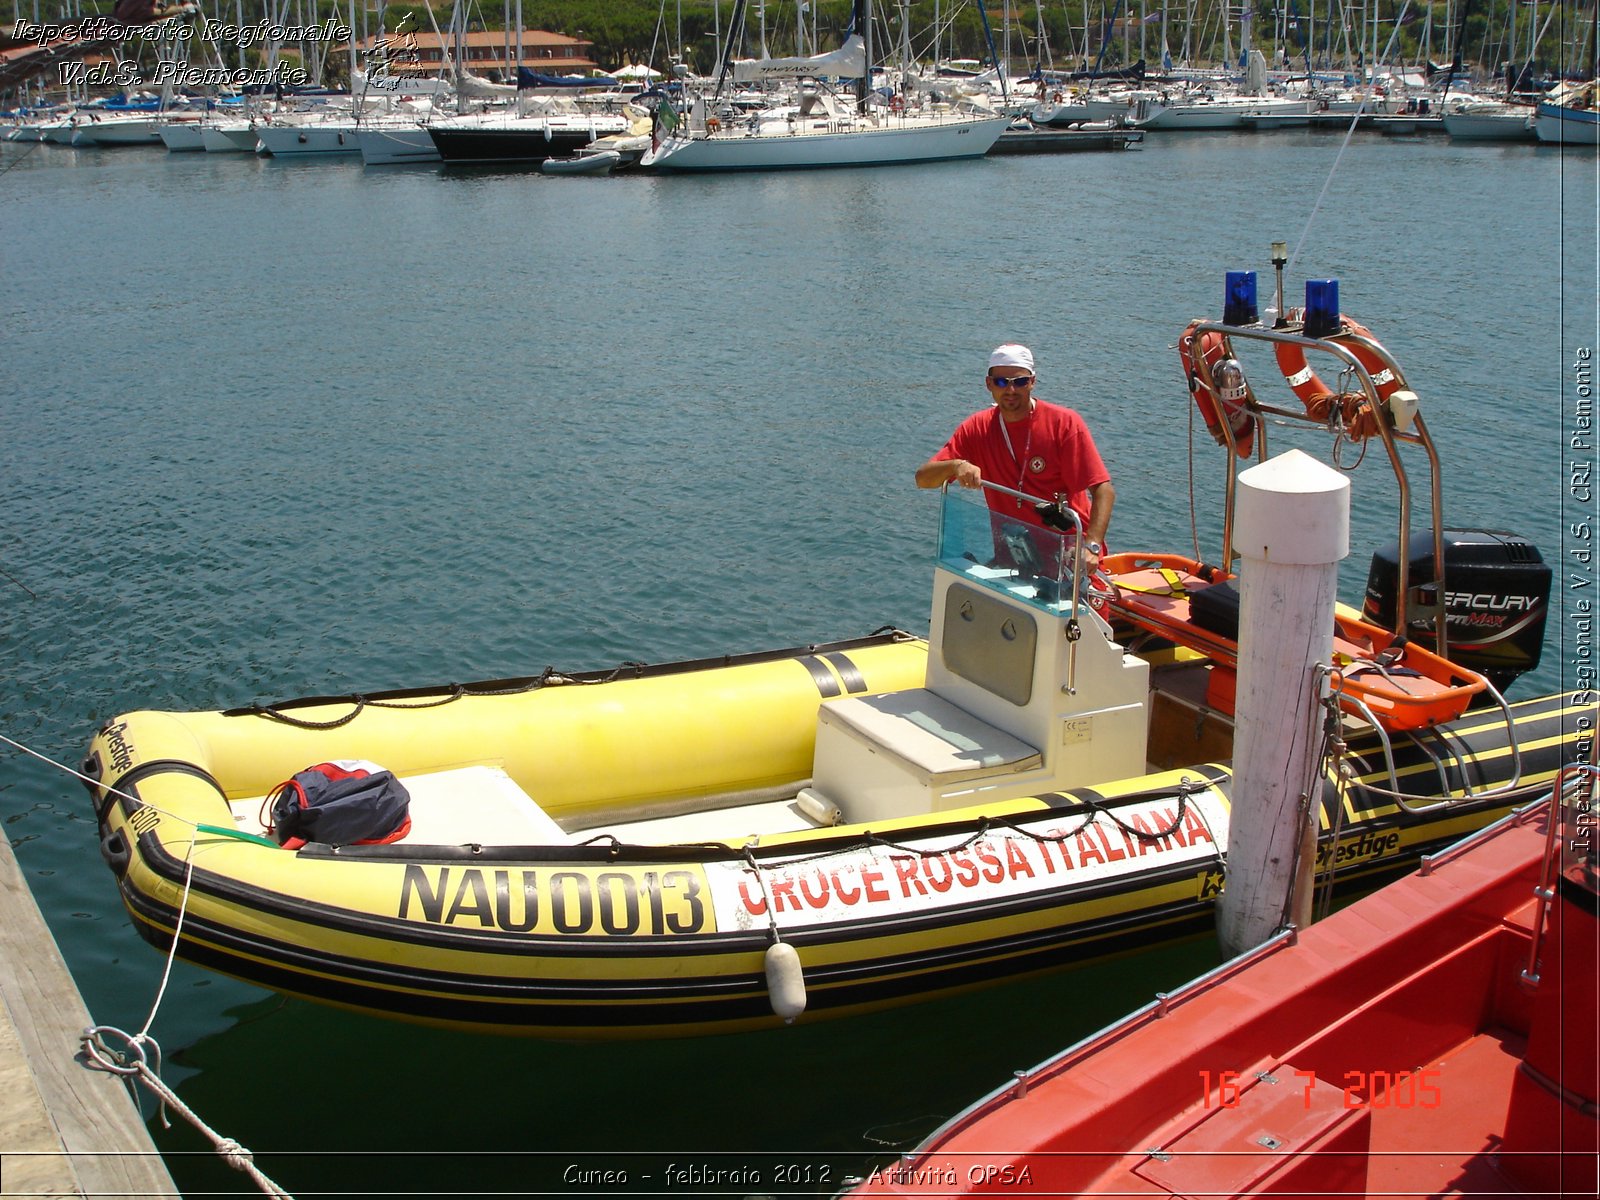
1099, 136
1390, 123
66, 1129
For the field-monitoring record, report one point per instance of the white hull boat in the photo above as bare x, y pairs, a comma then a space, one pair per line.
391, 145
1072, 110
229, 137
182, 137
141, 130
1491, 123
1567, 126
601, 162
531, 139
328, 136
60, 132
779, 145
1231, 112
818, 129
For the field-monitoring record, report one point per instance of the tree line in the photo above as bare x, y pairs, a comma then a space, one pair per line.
1059, 33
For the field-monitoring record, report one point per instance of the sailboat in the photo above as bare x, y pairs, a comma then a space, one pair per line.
1483, 120
816, 129
1569, 116
1507, 118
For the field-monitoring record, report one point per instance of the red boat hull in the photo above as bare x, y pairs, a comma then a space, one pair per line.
1395, 1048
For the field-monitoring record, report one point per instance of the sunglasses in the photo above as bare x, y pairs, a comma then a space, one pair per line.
1015, 381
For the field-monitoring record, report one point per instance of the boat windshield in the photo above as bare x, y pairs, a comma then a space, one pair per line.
1004, 553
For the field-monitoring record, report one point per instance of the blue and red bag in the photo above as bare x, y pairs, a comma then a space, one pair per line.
344, 803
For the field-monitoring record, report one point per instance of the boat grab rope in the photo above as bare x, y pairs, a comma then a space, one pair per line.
452, 692
1091, 809
549, 677
359, 704
1334, 761
986, 824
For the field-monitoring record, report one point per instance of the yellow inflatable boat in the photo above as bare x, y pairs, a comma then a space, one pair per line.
710, 846
730, 844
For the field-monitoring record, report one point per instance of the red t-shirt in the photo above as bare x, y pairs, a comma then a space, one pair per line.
1047, 452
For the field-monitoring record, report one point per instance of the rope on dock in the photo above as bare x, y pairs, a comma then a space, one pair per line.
132, 1064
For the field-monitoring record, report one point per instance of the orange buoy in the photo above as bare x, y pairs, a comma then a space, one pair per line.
1320, 400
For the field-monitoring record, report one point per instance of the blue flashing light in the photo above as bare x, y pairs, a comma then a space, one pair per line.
1322, 307
1239, 299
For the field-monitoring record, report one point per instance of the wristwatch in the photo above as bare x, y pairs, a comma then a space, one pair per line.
1094, 548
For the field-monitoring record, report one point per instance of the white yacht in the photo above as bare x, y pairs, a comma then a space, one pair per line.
230, 135
289, 135
120, 129
182, 136
391, 142
1482, 120
816, 129
1062, 108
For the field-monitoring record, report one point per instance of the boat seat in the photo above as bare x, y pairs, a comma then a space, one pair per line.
939, 740
477, 804
895, 754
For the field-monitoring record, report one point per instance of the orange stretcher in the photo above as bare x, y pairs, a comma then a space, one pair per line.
1402, 685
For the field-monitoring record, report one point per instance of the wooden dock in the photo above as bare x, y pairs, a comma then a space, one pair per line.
1095, 136
66, 1129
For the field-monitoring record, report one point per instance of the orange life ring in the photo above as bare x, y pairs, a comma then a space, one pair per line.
1199, 367
1318, 397
897, 103
712, 124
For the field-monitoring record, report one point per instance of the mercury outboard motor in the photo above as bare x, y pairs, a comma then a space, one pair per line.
1496, 598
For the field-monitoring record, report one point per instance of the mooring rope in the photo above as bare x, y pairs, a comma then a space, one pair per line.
132, 1062
199, 826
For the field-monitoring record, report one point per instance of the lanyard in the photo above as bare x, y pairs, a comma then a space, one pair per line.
1022, 463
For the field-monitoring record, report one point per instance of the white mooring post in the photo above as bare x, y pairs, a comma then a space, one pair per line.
1293, 527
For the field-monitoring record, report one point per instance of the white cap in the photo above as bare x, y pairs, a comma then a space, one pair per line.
1012, 355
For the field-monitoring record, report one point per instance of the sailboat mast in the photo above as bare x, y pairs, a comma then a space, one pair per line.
863, 23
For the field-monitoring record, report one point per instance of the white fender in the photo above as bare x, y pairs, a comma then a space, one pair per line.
786, 982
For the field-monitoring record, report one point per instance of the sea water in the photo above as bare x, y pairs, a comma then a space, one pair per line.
272, 429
